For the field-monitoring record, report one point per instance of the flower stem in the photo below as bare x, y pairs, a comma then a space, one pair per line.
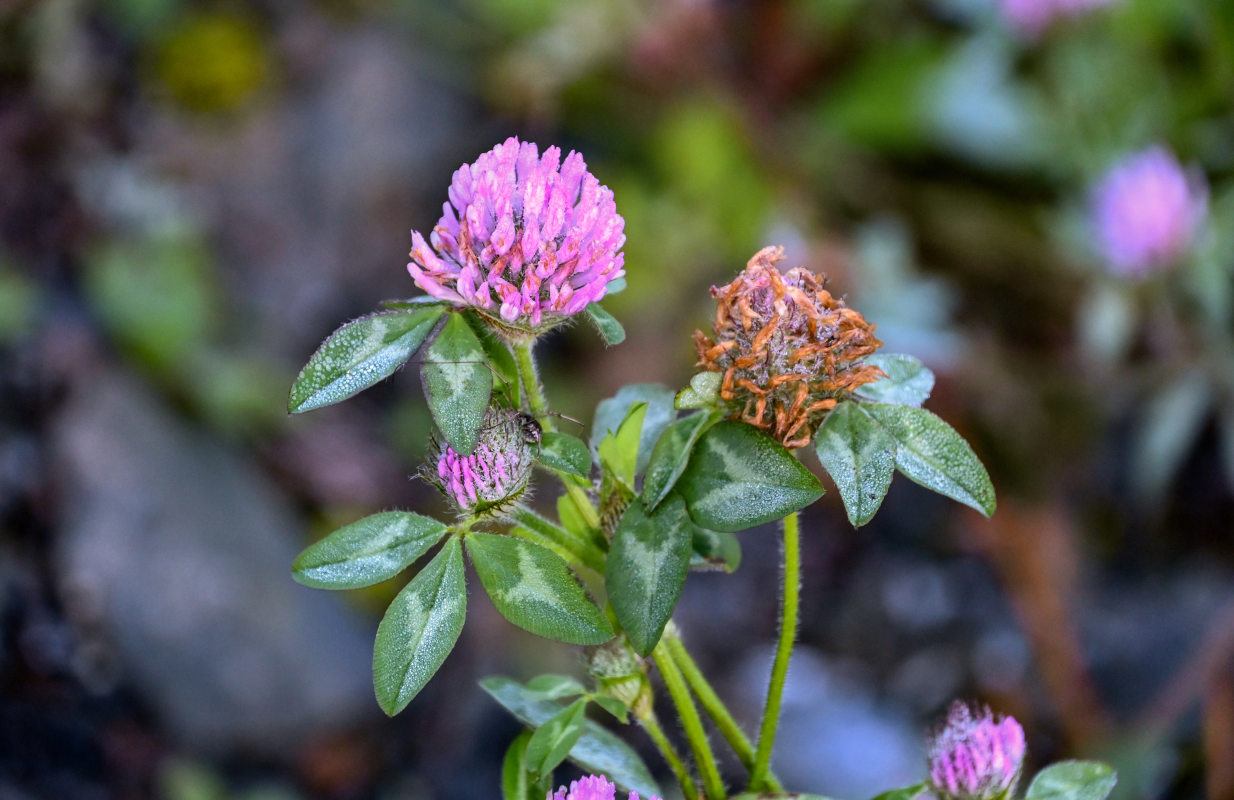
715, 707
652, 726
690, 721
531, 382
784, 651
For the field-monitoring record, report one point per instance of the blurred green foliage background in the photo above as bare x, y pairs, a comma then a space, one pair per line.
194, 194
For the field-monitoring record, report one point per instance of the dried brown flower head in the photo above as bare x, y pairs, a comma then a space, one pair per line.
789, 351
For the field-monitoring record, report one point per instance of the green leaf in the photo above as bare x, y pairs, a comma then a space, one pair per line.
905, 793
572, 520
908, 381
534, 588
597, 751
615, 286
497, 354
367, 551
1073, 780
738, 478
611, 412
671, 454
419, 629
566, 453
516, 784
703, 391
457, 383
555, 687
859, 455
647, 568
358, 355
610, 329
715, 550
619, 451
413, 303
931, 453
613, 706
553, 740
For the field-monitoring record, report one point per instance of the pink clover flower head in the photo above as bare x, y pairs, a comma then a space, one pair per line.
1030, 18
526, 238
1146, 212
592, 787
976, 755
495, 475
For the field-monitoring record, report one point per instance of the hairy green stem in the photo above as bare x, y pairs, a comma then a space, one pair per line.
531, 382
652, 726
691, 723
715, 707
784, 651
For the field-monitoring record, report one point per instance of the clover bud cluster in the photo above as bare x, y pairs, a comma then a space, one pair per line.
494, 476
789, 351
592, 787
1146, 212
526, 239
976, 755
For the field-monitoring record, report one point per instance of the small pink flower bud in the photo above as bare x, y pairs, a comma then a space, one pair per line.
495, 475
1146, 212
592, 787
976, 755
526, 239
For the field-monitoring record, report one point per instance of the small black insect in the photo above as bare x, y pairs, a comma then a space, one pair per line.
530, 428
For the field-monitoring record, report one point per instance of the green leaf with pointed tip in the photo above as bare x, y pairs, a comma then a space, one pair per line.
1073, 780
566, 453
534, 588
715, 550
419, 629
516, 783
647, 568
904, 793
618, 451
739, 477
597, 751
457, 383
367, 551
613, 706
497, 354
555, 687
612, 411
553, 740
931, 453
671, 454
860, 456
610, 329
908, 381
703, 391
359, 354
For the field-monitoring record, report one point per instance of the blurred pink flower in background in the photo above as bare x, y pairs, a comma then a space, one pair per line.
523, 237
1031, 17
1146, 212
976, 755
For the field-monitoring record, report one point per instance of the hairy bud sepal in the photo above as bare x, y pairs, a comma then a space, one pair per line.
489, 482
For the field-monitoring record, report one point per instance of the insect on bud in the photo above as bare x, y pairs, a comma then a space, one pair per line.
490, 480
789, 351
976, 755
